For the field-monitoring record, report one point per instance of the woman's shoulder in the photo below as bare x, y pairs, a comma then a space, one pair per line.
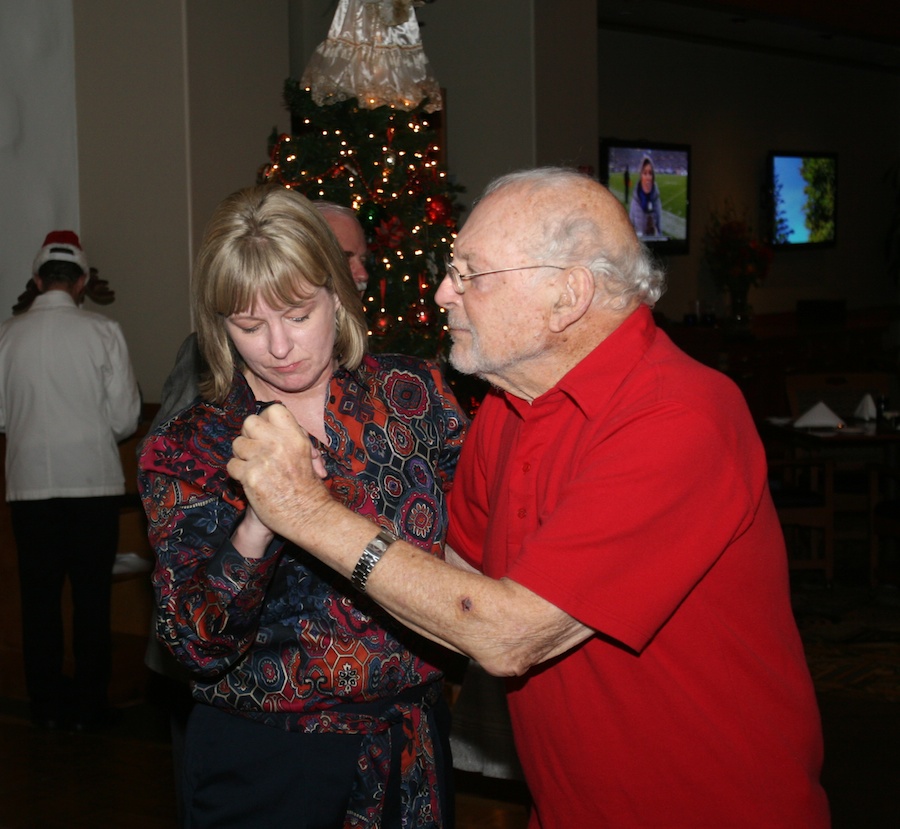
376, 368
203, 432
391, 362
401, 378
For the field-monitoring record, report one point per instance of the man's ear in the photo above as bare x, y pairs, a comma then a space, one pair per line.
79, 288
575, 297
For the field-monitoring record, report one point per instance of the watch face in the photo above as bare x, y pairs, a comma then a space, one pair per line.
374, 550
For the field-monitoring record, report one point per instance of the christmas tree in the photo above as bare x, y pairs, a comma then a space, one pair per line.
365, 133
384, 163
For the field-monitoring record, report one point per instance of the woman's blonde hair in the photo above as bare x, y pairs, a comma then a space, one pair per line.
268, 243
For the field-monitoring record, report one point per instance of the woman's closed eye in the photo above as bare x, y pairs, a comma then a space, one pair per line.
251, 326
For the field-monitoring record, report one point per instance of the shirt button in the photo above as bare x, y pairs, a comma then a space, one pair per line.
522, 512
526, 466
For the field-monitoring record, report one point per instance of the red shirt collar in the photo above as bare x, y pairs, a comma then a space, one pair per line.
592, 382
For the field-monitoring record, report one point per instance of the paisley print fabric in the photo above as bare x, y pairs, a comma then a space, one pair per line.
283, 639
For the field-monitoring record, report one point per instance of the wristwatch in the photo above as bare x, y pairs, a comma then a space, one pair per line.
371, 555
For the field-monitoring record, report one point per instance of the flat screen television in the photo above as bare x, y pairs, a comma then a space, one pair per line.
652, 180
802, 203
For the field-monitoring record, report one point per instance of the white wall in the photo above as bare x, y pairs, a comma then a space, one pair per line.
176, 99
38, 148
135, 196
128, 122
237, 62
483, 55
566, 83
521, 84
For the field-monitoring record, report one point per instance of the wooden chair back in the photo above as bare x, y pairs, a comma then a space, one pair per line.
803, 493
884, 522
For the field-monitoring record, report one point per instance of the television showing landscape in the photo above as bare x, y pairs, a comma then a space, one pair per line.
660, 213
802, 199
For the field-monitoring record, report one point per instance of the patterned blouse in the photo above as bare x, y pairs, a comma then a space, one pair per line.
283, 639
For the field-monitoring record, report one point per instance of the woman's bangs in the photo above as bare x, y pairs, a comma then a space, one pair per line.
249, 277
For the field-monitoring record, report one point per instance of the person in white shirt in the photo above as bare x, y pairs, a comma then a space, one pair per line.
68, 394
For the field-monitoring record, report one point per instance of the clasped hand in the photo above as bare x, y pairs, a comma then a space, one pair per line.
280, 470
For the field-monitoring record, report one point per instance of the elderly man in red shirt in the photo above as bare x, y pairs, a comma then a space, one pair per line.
618, 556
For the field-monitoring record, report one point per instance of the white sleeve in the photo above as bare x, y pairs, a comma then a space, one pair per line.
123, 397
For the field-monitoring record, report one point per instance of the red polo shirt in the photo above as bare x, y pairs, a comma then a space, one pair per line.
633, 496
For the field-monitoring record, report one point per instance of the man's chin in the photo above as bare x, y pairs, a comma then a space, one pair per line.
462, 361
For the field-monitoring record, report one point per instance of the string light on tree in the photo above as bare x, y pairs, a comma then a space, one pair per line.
365, 126
386, 165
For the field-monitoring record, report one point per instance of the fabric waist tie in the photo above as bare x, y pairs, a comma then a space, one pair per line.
396, 754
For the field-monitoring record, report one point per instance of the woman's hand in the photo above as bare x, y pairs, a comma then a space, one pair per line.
251, 537
281, 472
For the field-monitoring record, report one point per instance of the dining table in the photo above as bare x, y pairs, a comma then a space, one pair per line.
858, 450
850, 434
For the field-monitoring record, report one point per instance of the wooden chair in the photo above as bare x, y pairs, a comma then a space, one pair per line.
884, 523
842, 392
803, 493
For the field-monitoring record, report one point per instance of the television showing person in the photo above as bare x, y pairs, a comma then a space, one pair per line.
646, 208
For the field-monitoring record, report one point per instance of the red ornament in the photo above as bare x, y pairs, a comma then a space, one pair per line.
421, 314
438, 210
382, 323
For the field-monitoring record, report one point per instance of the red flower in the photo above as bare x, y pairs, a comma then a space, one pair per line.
389, 234
736, 259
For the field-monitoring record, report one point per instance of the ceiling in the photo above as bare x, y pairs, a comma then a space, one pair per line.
862, 33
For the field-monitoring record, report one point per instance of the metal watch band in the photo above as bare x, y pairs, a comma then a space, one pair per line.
373, 552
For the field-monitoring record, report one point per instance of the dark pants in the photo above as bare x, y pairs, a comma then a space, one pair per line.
240, 774
60, 538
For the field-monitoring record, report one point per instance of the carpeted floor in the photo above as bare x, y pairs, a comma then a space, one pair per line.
123, 778
852, 641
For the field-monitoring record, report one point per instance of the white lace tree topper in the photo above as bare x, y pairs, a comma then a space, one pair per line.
373, 53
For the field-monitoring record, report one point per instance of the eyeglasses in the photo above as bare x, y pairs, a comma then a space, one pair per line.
459, 280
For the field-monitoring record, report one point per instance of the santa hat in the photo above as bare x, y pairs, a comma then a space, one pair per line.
61, 246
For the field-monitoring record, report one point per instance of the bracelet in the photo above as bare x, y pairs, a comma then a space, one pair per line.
375, 549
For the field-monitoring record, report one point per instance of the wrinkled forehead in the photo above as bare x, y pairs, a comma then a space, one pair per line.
500, 224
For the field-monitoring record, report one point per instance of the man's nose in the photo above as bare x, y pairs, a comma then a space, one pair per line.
358, 270
445, 294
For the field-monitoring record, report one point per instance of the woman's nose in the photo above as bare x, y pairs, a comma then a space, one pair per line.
279, 341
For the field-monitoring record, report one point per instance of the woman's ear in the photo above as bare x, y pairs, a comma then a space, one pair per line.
575, 297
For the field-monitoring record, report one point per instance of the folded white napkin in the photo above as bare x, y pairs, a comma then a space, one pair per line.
866, 409
818, 417
130, 563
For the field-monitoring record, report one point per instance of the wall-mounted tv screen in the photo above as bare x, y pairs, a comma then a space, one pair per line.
653, 182
802, 199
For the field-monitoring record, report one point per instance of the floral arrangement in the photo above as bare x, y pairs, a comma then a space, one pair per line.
736, 259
